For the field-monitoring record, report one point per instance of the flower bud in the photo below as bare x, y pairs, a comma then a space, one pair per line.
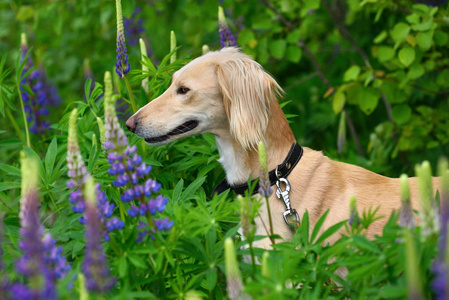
233, 277
172, 46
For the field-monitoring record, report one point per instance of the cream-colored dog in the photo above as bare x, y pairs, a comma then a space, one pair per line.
228, 94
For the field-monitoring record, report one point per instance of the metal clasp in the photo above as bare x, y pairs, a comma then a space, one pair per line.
284, 196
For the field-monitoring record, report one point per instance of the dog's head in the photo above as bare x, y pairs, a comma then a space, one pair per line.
223, 92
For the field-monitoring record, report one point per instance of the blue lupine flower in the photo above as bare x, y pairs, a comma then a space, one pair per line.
32, 265
78, 174
45, 94
94, 266
122, 65
134, 27
54, 257
226, 37
129, 170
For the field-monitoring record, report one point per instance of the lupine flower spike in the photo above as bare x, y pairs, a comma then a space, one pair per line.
226, 37
143, 53
122, 66
233, 278
428, 215
172, 46
244, 215
354, 218
341, 139
45, 95
264, 181
78, 175
95, 268
406, 218
129, 170
441, 265
32, 264
205, 49
265, 269
412, 272
134, 27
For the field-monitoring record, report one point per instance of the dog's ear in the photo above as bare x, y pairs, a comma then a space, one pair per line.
248, 93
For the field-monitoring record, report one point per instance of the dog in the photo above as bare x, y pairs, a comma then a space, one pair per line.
228, 94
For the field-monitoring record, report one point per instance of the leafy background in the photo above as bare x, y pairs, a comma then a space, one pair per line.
366, 82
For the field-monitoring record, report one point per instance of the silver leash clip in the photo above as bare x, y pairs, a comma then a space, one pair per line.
284, 196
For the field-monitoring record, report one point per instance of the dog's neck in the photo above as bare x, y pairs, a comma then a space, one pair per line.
240, 163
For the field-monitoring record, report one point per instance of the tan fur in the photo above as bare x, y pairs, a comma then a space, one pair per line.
234, 99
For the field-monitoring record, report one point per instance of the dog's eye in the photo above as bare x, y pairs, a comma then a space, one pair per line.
183, 90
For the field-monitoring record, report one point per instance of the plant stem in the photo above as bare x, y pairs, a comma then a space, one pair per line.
122, 211
130, 92
270, 220
24, 117
14, 124
253, 259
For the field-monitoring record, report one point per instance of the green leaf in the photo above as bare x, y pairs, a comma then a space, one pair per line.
368, 100
330, 231
122, 266
211, 278
293, 37
191, 189
50, 157
294, 53
424, 39
277, 48
245, 36
351, 73
385, 53
137, 261
10, 170
177, 190
400, 31
8, 185
338, 101
401, 113
440, 38
406, 56
363, 243
380, 37
318, 225
25, 12
415, 71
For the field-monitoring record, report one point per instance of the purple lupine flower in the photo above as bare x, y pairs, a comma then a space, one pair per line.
31, 265
78, 175
265, 189
134, 27
441, 265
122, 65
129, 170
432, 2
353, 214
94, 266
54, 257
406, 218
226, 37
45, 95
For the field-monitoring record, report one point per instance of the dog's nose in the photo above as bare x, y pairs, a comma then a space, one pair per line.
132, 124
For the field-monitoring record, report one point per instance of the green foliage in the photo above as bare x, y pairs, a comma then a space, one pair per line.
379, 65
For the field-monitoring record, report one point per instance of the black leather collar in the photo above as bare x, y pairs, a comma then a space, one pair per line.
284, 169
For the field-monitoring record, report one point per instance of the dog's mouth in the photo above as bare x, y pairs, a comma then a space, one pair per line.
183, 128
